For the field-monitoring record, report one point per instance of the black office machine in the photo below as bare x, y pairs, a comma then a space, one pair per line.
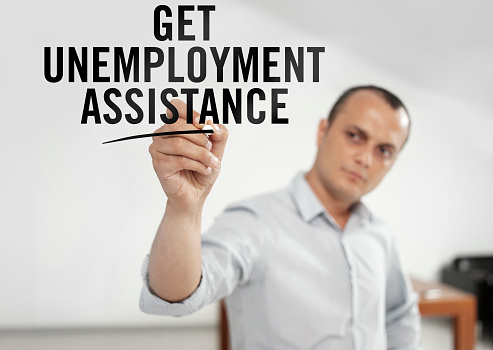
474, 274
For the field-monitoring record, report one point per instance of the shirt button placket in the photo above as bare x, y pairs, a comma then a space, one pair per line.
354, 291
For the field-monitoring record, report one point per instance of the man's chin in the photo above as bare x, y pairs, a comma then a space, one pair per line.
351, 193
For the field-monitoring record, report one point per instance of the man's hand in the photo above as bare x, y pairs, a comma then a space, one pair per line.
187, 165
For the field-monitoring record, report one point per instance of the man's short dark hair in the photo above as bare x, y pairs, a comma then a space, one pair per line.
389, 97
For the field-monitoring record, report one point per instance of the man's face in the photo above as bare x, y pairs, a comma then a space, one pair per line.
360, 146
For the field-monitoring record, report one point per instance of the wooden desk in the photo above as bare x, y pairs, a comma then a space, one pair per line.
454, 303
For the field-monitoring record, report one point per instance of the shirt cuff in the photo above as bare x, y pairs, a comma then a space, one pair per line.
152, 304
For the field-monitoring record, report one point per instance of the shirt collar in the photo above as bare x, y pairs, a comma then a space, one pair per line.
310, 207
305, 199
360, 210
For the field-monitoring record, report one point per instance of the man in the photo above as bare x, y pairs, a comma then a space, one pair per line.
307, 267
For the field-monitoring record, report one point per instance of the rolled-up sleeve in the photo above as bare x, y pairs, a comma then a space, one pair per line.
152, 304
233, 253
403, 320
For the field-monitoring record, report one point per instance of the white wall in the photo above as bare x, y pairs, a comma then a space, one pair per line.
78, 217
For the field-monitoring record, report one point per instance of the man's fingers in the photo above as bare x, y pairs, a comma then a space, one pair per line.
177, 163
176, 146
179, 146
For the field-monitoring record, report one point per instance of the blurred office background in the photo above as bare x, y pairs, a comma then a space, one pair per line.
78, 217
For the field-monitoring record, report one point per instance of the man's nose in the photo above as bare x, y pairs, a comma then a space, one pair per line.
364, 157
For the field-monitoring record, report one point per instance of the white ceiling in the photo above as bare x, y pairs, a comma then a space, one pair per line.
443, 46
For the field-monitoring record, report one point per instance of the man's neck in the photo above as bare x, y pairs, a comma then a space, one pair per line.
339, 209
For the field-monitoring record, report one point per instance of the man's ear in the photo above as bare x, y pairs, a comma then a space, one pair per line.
322, 130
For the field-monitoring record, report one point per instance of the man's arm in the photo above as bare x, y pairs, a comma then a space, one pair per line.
233, 251
187, 167
403, 319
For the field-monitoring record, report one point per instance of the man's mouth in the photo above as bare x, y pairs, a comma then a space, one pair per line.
355, 175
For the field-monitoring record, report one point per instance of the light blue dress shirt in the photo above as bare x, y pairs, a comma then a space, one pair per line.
293, 280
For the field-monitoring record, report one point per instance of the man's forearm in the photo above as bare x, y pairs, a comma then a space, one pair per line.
175, 258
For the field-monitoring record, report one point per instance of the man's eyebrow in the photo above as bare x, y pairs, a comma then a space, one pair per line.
389, 145
365, 135
359, 130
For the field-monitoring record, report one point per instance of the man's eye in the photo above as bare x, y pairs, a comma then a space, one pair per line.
385, 152
353, 135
